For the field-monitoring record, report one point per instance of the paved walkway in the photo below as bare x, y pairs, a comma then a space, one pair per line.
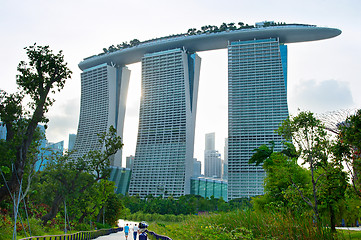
120, 235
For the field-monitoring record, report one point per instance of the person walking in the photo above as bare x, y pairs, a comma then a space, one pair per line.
135, 231
126, 231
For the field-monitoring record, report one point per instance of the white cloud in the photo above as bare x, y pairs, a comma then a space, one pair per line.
320, 96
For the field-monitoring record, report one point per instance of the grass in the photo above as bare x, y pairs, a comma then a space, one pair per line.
244, 225
350, 234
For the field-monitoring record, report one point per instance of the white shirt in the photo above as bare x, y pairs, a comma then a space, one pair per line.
135, 229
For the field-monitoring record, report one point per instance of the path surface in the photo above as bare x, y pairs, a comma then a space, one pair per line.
120, 235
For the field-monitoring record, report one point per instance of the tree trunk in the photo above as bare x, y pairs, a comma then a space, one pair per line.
54, 209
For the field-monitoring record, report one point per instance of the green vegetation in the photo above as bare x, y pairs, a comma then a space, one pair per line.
192, 31
244, 225
70, 193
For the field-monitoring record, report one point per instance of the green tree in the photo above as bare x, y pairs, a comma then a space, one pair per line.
68, 178
44, 73
312, 143
348, 148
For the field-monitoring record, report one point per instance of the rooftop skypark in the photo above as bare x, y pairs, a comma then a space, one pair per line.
209, 38
194, 31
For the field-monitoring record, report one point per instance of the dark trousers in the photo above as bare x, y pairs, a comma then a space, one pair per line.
135, 235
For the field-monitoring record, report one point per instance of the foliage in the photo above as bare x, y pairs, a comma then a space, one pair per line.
188, 204
44, 73
78, 181
206, 29
244, 225
348, 148
282, 174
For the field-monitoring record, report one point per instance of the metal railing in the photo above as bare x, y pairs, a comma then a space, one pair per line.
158, 236
83, 235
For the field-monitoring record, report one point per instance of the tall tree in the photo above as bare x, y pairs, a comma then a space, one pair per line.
348, 148
44, 73
70, 177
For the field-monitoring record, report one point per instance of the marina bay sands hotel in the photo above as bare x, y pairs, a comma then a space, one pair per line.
257, 103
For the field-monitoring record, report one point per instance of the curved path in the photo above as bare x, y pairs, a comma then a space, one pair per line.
120, 235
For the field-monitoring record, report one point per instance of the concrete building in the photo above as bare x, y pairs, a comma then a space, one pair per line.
129, 161
257, 103
170, 70
225, 160
71, 142
210, 141
197, 168
164, 152
212, 158
104, 89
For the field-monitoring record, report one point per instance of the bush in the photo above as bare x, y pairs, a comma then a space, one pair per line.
102, 226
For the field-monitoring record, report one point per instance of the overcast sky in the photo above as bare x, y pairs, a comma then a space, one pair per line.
322, 75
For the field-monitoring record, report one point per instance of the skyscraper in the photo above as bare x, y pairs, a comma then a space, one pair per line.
257, 103
129, 161
225, 160
212, 158
163, 159
103, 99
197, 167
210, 141
163, 163
72, 138
212, 164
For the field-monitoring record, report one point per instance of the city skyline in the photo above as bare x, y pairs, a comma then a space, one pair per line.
322, 75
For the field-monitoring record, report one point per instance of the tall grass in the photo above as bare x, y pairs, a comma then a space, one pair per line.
244, 225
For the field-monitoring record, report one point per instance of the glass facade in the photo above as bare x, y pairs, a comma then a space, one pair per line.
121, 178
257, 103
163, 163
207, 187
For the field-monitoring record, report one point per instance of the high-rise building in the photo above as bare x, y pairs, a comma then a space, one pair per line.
212, 158
197, 167
257, 103
225, 160
103, 98
48, 152
163, 163
163, 160
210, 141
71, 143
212, 164
129, 161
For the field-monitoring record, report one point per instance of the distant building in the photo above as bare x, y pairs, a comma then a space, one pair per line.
71, 143
197, 166
212, 158
121, 178
210, 141
129, 161
48, 153
207, 187
225, 160
2, 131
212, 164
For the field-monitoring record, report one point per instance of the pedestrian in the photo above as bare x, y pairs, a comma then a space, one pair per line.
126, 231
135, 231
